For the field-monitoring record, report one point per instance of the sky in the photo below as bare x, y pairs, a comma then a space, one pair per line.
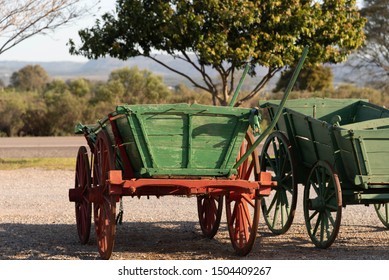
52, 47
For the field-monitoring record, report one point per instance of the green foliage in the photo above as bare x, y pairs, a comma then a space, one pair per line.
12, 106
56, 108
225, 34
80, 87
182, 94
345, 91
314, 78
29, 78
63, 111
60, 105
35, 120
136, 86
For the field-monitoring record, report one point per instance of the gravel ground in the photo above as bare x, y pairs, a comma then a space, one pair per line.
37, 222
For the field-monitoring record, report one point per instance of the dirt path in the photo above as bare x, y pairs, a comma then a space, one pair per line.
31, 147
37, 222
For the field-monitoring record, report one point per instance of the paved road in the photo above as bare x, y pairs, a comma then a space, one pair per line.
30, 147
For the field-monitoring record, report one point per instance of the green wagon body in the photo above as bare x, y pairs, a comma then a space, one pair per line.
177, 140
352, 135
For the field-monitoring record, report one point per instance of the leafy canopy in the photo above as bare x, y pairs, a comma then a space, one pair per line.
223, 35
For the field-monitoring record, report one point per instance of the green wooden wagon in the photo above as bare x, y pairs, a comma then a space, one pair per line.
339, 149
174, 149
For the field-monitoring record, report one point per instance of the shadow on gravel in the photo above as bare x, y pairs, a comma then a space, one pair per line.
42, 242
183, 240
60, 241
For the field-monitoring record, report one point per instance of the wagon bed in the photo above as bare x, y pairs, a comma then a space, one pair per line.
175, 139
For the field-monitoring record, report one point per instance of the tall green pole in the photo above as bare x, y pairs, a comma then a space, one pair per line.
236, 93
279, 111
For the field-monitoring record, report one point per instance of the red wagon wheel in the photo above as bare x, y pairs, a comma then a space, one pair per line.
105, 209
243, 209
84, 207
209, 208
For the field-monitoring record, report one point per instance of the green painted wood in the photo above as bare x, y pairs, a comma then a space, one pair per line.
317, 107
182, 139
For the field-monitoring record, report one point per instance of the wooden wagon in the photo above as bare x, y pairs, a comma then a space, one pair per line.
338, 149
177, 149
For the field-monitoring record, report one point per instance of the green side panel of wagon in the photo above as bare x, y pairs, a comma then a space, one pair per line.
182, 139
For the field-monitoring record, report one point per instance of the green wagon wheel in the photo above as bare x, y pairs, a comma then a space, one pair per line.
209, 208
84, 207
279, 207
243, 209
322, 204
382, 210
105, 209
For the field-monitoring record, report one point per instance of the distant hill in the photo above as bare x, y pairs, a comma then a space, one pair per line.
98, 69
101, 68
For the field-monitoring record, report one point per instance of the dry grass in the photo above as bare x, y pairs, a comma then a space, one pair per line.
45, 163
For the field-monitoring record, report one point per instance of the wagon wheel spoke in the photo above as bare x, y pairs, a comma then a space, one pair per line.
322, 227
317, 224
284, 207
272, 203
209, 209
286, 177
249, 200
83, 208
313, 215
104, 208
330, 218
279, 207
242, 210
322, 199
269, 160
316, 188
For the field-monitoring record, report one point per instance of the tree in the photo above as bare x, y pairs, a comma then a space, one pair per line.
314, 78
80, 87
374, 56
19, 20
64, 110
223, 35
29, 78
12, 106
137, 86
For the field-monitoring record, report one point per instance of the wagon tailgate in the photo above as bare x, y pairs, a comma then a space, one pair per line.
366, 153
